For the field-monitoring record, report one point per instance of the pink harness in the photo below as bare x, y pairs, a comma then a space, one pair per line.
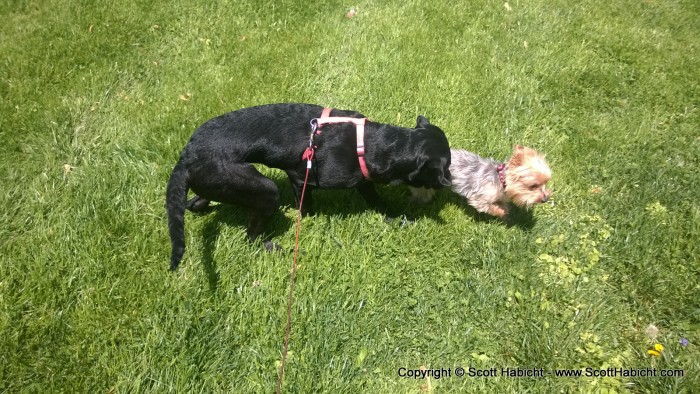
359, 131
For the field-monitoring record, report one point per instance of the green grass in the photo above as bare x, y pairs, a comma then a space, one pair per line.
97, 101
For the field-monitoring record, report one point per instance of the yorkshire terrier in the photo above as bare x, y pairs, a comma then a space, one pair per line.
489, 185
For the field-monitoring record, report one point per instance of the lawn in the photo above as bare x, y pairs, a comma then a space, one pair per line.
97, 101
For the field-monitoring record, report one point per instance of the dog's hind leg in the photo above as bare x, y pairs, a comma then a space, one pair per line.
238, 184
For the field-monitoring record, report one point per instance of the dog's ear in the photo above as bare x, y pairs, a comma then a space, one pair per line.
431, 174
422, 122
518, 156
444, 181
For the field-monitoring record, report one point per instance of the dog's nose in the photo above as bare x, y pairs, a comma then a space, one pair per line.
545, 196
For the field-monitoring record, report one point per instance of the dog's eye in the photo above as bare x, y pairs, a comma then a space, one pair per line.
534, 187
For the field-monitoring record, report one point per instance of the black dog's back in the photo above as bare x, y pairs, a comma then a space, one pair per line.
272, 134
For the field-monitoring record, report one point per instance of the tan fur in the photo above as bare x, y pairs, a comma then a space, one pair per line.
526, 177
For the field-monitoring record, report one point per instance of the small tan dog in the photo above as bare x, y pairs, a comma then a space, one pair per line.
489, 185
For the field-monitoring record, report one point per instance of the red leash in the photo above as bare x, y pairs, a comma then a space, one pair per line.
308, 155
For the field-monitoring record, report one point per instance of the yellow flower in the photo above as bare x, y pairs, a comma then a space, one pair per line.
656, 350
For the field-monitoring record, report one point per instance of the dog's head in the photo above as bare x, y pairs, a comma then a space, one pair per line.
432, 154
527, 175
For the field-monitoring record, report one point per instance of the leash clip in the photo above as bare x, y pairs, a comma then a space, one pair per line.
309, 152
314, 128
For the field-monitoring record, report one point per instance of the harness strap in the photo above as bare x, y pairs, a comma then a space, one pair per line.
359, 132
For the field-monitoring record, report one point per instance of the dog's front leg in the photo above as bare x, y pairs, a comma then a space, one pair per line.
370, 195
297, 188
307, 206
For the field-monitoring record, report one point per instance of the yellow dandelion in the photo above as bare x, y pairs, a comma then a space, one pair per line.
656, 350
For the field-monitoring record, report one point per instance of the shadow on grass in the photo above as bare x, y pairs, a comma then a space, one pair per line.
347, 203
232, 216
518, 217
343, 203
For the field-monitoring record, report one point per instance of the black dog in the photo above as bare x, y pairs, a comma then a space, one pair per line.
215, 164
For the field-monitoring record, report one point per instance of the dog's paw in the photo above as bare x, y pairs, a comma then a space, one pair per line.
401, 221
509, 221
305, 213
421, 195
272, 247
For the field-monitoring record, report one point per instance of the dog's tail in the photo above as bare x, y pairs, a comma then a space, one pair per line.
175, 202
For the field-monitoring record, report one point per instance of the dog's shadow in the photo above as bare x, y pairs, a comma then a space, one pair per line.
339, 203
517, 217
210, 233
343, 204
235, 217
400, 208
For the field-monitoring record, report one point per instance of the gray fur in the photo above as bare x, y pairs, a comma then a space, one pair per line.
476, 179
